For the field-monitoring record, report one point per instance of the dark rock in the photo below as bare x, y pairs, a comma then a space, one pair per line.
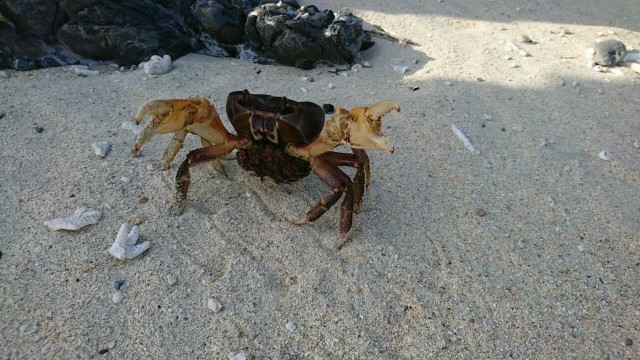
609, 52
39, 129
45, 33
304, 37
126, 32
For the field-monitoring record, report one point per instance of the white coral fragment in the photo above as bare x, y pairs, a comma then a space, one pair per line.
157, 65
80, 218
125, 246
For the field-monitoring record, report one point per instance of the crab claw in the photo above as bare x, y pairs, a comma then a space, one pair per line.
364, 132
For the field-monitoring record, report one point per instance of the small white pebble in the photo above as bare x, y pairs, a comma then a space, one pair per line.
582, 247
290, 326
304, 90
400, 69
636, 144
101, 148
514, 65
448, 83
488, 117
575, 83
331, 86
604, 155
125, 180
508, 57
238, 356
171, 279
149, 166
356, 68
366, 64
118, 296
214, 305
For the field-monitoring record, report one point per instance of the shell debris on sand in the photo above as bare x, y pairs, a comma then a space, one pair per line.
118, 296
125, 246
214, 305
101, 148
464, 138
80, 218
604, 155
156, 65
130, 125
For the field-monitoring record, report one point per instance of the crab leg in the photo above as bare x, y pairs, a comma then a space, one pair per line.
339, 183
198, 156
176, 144
358, 160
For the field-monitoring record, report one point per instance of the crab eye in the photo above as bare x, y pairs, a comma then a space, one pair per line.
270, 125
257, 122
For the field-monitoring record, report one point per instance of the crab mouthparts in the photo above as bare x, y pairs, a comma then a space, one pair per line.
264, 127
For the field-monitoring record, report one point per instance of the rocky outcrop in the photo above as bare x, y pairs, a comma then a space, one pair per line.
45, 33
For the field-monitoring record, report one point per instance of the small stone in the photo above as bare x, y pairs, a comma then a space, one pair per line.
414, 88
157, 65
356, 68
118, 284
488, 117
143, 200
2, 115
101, 148
525, 39
331, 86
328, 108
365, 64
480, 212
291, 280
604, 155
171, 279
107, 206
39, 129
636, 144
137, 220
628, 342
448, 83
582, 247
479, 79
214, 305
125, 180
118, 296
304, 90
514, 65
290, 326
575, 83
309, 79
149, 167
609, 52
416, 61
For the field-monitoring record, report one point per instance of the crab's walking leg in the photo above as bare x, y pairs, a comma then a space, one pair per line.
360, 162
198, 156
176, 144
339, 183
216, 164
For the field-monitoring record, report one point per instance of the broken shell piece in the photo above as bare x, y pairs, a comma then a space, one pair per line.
125, 246
400, 69
464, 138
511, 46
157, 65
609, 52
80, 218
604, 155
101, 148
130, 125
83, 70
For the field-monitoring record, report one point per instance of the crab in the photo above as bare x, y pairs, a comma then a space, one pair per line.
278, 138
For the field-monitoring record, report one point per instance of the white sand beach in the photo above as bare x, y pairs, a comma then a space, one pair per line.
527, 248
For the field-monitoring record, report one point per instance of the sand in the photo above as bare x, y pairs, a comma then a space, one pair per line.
526, 249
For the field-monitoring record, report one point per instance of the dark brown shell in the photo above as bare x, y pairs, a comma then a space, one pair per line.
297, 122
